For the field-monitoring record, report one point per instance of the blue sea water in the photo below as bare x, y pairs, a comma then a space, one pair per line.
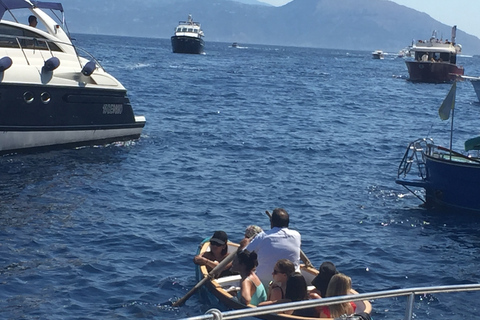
109, 232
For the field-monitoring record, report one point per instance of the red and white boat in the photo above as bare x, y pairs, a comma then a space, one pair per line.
435, 60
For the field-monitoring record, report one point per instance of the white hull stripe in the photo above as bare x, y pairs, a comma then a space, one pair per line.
18, 140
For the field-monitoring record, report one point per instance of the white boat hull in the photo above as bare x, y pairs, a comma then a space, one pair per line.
24, 140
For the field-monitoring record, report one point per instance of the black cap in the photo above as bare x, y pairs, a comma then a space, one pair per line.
219, 237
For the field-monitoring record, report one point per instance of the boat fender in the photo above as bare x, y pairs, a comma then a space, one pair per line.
5, 63
51, 64
88, 68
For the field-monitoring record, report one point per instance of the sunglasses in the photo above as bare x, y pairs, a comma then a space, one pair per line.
216, 244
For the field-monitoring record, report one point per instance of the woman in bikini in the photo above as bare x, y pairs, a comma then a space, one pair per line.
252, 290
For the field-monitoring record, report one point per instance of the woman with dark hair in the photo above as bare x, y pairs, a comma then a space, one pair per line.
218, 252
252, 290
297, 291
325, 272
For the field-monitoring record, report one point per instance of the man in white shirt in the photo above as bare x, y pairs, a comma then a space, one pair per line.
277, 243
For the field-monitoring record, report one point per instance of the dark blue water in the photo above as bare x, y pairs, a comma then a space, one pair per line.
109, 232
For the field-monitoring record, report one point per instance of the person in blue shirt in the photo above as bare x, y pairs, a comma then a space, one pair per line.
279, 242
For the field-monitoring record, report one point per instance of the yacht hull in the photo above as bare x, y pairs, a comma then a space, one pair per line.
32, 139
34, 117
185, 44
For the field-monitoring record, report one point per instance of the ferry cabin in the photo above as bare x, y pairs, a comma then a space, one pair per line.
435, 55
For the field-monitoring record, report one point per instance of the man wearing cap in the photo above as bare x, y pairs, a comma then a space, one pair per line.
279, 242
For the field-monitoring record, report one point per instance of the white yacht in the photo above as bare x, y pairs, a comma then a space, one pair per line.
188, 37
50, 95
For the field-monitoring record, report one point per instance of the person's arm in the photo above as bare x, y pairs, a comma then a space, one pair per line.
276, 293
244, 242
203, 260
246, 291
267, 303
314, 295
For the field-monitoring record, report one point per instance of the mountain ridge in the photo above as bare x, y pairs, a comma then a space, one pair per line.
331, 24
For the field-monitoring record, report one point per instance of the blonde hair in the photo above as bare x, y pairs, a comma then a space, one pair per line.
339, 285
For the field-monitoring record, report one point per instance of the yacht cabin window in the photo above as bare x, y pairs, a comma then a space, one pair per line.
11, 36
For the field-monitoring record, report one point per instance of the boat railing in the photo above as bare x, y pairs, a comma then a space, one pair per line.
410, 293
190, 23
22, 42
415, 153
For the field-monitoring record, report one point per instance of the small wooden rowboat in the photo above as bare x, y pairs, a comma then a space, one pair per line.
224, 288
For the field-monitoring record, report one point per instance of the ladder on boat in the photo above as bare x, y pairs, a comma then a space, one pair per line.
415, 153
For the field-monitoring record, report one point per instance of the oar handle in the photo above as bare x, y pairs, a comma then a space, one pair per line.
302, 254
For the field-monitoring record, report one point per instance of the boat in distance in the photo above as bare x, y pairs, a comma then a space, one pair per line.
223, 289
378, 54
435, 60
188, 37
50, 95
449, 178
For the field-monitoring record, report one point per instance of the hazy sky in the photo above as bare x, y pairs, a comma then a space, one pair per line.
463, 13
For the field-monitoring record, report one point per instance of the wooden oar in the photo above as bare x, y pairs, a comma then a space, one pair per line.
209, 276
302, 254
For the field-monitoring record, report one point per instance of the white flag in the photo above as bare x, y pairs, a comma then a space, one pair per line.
448, 104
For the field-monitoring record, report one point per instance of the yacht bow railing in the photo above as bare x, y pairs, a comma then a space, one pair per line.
215, 314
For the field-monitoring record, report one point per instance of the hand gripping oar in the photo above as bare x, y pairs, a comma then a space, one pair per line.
209, 276
302, 254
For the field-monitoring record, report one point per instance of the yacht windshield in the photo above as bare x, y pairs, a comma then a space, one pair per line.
13, 37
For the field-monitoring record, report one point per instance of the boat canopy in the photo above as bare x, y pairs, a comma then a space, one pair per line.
472, 144
445, 48
26, 4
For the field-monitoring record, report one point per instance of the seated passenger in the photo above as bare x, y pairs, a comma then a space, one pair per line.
325, 272
339, 285
250, 232
218, 252
297, 291
32, 21
252, 290
281, 272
